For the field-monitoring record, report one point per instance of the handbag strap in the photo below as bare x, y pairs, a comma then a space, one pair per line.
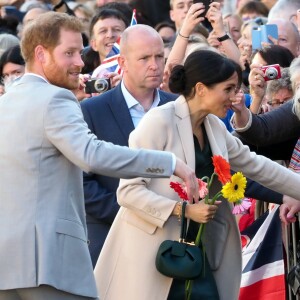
183, 222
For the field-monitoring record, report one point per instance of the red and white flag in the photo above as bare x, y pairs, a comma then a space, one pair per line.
110, 63
263, 276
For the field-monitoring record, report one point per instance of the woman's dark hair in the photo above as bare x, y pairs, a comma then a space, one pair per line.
254, 7
276, 54
164, 24
91, 60
11, 55
124, 8
106, 13
204, 66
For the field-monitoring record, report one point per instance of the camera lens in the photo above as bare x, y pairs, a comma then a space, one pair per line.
271, 73
101, 85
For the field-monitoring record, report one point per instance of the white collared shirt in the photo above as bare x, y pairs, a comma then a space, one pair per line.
136, 110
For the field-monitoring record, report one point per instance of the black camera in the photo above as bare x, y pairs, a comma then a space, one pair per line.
97, 85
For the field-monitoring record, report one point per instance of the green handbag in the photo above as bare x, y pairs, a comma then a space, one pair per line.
179, 260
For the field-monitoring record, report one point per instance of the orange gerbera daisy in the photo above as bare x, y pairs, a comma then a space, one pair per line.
222, 168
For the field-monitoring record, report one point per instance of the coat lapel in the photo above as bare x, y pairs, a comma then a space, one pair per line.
184, 126
215, 149
120, 112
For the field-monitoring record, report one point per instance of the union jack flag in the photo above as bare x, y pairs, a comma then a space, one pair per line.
133, 19
110, 63
263, 274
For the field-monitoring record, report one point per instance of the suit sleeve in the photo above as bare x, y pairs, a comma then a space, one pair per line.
261, 169
66, 129
259, 192
274, 127
100, 202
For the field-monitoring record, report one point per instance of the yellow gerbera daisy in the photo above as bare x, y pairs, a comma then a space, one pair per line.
235, 189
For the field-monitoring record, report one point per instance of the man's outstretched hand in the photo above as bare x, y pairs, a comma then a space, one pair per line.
188, 176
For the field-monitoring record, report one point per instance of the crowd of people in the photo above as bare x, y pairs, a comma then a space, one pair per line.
85, 192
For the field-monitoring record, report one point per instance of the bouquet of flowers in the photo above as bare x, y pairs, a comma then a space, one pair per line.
233, 189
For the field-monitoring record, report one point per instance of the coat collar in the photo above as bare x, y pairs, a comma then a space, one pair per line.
184, 126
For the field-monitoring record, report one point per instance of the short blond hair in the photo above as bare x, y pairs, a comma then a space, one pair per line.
45, 30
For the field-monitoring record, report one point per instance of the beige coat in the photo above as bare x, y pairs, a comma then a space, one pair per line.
126, 266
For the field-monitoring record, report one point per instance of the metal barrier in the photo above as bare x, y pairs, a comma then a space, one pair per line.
290, 239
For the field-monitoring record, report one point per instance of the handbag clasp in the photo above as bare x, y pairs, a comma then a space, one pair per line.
184, 242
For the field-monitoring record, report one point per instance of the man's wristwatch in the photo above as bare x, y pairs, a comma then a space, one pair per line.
223, 38
59, 5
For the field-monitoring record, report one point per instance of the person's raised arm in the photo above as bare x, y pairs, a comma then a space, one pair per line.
192, 18
257, 87
229, 48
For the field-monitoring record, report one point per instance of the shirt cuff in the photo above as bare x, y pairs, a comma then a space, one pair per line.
173, 162
241, 129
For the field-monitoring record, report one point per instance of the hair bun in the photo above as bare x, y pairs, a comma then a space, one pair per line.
177, 80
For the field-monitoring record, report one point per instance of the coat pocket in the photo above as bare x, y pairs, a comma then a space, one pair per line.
71, 228
133, 219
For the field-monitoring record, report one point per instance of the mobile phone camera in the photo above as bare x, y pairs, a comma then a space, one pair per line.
97, 85
271, 72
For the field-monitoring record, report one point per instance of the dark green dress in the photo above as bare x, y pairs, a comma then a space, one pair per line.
204, 287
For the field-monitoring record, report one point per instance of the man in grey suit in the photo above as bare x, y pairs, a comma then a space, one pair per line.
44, 144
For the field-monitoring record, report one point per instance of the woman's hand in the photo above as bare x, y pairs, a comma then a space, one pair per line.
214, 16
238, 102
192, 19
257, 87
80, 92
245, 49
288, 209
115, 78
256, 81
201, 212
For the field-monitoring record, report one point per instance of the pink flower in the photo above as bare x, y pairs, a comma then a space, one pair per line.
203, 191
181, 189
242, 206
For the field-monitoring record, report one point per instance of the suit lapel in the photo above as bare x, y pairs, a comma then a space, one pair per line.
120, 112
184, 126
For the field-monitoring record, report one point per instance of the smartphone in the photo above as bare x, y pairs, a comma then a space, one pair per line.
261, 33
206, 3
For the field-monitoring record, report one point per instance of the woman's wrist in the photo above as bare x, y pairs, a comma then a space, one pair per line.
184, 36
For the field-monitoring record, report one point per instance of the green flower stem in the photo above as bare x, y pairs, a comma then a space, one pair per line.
188, 289
205, 178
211, 180
189, 283
199, 234
215, 197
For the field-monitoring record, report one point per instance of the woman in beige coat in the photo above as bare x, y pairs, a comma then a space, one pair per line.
126, 267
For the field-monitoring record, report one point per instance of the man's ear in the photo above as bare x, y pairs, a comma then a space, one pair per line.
171, 15
122, 63
93, 44
40, 53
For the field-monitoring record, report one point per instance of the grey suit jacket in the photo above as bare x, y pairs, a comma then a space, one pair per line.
44, 145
